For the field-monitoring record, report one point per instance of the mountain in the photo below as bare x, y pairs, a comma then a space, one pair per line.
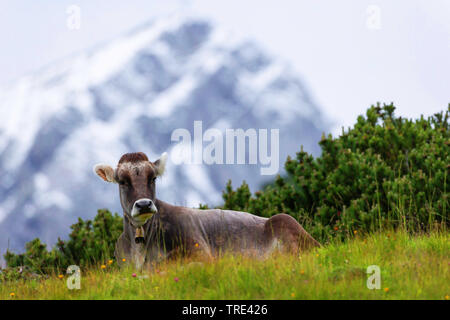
129, 95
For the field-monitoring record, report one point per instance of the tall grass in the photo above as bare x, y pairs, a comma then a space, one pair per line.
412, 267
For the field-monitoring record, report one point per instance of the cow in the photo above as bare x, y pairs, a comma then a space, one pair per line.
154, 230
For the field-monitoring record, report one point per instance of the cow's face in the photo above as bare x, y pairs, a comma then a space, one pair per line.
136, 177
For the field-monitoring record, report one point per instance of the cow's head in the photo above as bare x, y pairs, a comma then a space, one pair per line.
136, 177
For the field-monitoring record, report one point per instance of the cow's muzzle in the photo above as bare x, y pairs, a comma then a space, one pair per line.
143, 209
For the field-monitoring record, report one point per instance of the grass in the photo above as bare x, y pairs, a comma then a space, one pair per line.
412, 267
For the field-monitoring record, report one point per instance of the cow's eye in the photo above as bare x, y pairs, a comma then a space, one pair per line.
123, 183
152, 180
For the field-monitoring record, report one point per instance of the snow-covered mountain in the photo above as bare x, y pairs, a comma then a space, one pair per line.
129, 95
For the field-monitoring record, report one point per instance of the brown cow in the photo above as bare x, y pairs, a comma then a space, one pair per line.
154, 230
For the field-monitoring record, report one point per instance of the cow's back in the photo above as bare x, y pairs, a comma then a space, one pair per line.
225, 229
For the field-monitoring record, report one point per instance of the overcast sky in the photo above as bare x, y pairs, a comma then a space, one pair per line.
350, 54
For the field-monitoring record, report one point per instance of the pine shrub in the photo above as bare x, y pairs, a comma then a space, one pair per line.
90, 242
385, 172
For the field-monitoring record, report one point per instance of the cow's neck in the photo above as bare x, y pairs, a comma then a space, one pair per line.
137, 248
134, 233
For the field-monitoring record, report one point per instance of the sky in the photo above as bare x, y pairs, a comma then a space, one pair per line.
350, 54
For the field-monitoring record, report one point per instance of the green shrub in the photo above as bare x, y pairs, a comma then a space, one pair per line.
385, 172
89, 242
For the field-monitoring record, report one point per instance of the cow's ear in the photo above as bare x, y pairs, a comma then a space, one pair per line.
160, 164
105, 172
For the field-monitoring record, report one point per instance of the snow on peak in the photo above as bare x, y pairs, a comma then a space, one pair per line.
129, 95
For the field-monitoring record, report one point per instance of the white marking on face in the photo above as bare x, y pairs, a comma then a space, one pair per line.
131, 166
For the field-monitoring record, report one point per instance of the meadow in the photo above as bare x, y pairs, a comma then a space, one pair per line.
412, 267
